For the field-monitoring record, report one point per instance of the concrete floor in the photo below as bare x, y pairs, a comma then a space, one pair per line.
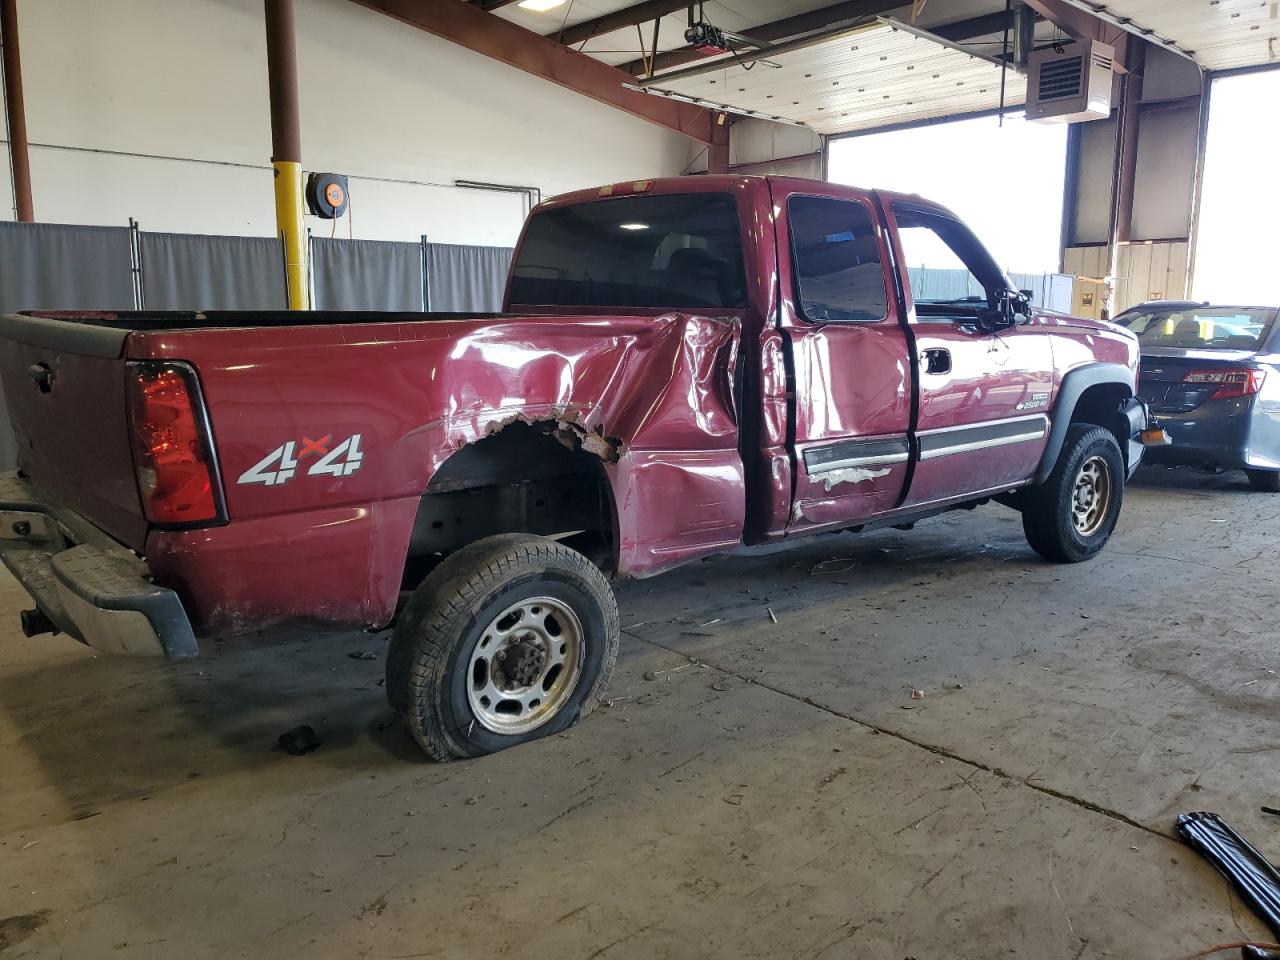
752, 790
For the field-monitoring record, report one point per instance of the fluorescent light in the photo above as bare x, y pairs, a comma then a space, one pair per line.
539, 6
634, 226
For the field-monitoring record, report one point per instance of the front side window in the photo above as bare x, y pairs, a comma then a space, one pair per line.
951, 273
1201, 328
836, 255
671, 250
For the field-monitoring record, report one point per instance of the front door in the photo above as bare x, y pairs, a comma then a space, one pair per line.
982, 423
849, 349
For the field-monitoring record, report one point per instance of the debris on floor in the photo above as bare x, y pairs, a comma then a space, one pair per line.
825, 566
1248, 871
299, 740
362, 655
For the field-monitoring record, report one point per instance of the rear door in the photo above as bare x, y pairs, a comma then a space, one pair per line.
984, 397
64, 383
849, 349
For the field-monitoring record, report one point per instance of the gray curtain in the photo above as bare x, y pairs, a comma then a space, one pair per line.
187, 272
366, 275
51, 266
466, 278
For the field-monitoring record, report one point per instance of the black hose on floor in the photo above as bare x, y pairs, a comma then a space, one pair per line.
1252, 875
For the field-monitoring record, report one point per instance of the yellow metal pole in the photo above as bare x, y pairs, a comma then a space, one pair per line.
289, 225
286, 147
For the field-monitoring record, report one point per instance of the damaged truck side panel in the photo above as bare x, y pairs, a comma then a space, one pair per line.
649, 399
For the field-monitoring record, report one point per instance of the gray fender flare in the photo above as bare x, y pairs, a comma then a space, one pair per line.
1074, 384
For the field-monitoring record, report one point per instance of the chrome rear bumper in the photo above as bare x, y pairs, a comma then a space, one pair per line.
88, 585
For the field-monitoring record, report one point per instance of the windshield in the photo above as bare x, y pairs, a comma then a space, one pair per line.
673, 250
1201, 328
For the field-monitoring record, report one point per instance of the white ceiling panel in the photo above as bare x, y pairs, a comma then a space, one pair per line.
858, 80
1221, 34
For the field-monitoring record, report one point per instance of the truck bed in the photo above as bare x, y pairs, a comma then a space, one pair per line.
157, 320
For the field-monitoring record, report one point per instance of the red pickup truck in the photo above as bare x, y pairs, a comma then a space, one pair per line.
682, 366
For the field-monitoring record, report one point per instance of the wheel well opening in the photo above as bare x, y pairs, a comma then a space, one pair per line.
1101, 405
529, 477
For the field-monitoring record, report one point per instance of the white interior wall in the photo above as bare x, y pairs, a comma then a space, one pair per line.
1162, 196
759, 144
1094, 181
157, 109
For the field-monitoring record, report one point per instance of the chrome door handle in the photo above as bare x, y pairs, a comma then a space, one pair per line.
936, 360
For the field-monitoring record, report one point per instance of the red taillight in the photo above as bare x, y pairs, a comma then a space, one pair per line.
1232, 382
170, 450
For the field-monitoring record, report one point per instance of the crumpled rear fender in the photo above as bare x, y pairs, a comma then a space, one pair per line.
652, 397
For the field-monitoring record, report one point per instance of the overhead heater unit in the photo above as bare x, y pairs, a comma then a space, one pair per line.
1067, 83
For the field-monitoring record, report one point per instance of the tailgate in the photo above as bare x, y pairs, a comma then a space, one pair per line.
64, 383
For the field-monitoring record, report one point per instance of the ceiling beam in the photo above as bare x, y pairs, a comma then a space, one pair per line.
1082, 25
849, 12
618, 20
473, 28
962, 30
492, 4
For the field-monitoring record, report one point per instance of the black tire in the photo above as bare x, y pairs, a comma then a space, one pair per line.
429, 661
1048, 518
1264, 481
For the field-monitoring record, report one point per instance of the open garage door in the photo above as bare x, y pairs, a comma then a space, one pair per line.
1240, 203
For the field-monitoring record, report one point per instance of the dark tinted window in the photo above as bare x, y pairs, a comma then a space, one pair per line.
1201, 328
678, 250
837, 260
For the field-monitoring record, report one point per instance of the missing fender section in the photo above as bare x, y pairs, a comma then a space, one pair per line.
565, 427
833, 478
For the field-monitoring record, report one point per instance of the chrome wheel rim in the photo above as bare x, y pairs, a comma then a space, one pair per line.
1091, 497
525, 666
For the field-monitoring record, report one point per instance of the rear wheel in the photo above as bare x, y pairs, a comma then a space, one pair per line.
1070, 517
1265, 481
509, 639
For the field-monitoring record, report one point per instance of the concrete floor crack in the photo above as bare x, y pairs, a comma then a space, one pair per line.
935, 749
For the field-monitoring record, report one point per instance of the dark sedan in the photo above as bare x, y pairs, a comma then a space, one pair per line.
1212, 376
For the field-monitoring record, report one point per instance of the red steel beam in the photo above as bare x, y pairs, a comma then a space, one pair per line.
16, 111
718, 150
470, 27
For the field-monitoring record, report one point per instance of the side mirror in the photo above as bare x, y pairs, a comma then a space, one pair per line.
991, 321
1011, 308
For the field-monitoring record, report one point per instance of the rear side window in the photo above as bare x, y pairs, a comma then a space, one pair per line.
1204, 328
674, 250
837, 260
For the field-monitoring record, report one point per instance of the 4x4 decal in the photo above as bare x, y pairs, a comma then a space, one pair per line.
282, 463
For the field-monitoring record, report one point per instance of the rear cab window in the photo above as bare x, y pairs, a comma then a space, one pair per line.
836, 257
658, 251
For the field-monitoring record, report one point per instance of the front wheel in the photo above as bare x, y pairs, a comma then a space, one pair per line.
1264, 481
509, 639
1070, 517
